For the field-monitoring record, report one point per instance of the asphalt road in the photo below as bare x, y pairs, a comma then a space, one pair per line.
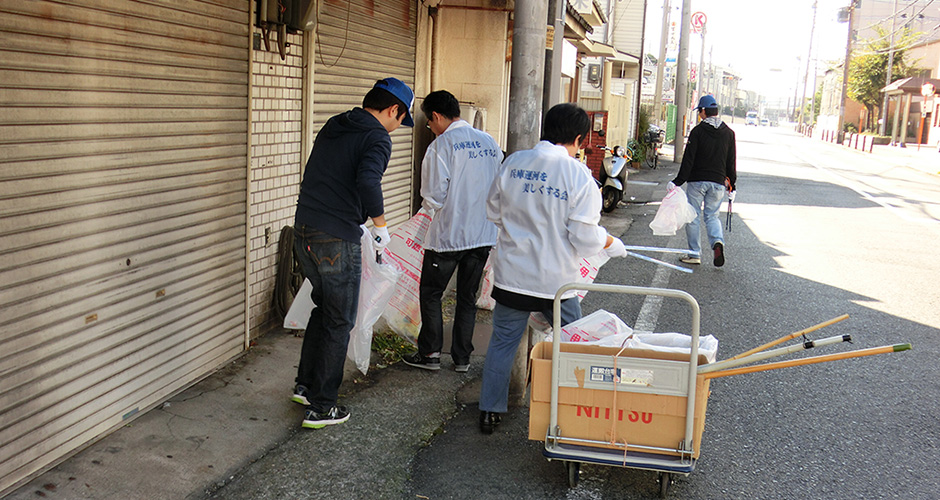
817, 232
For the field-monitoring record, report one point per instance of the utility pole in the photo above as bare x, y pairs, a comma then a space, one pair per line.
883, 127
845, 69
552, 93
796, 88
711, 70
525, 117
661, 66
809, 56
682, 80
527, 75
700, 77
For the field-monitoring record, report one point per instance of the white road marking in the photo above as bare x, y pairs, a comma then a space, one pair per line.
648, 316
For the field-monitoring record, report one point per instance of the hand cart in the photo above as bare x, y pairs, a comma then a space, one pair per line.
629, 408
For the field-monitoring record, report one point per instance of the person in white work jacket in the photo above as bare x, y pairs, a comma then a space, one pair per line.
456, 174
547, 206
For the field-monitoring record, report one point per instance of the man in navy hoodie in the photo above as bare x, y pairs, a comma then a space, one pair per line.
341, 188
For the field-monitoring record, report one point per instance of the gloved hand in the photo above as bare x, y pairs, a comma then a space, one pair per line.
670, 187
731, 195
428, 208
381, 237
616, 249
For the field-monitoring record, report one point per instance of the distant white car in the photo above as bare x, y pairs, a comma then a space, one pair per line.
751, 118
764, 122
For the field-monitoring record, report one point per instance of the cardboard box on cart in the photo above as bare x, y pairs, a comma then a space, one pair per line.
636, 418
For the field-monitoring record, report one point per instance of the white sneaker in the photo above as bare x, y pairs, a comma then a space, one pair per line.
691, 260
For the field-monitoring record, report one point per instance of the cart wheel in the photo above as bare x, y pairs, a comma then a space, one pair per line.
574, 473
665, 480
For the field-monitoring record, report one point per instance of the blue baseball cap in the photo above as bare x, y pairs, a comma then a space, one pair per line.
707, 101
400, 90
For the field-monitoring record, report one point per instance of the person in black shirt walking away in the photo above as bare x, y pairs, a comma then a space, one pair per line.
708, 166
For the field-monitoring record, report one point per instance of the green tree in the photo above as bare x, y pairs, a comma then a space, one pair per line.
869, 69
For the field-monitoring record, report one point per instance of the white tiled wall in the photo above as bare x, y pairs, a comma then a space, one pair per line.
276, 167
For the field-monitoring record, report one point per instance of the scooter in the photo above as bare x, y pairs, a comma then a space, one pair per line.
613, 177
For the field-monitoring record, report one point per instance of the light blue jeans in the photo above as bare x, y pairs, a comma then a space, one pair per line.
509, 325
709, 194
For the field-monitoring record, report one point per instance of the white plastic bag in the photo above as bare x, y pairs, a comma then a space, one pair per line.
299, 313
376, 287
587, 270
674, 212
663, 342
406, 251
485, 299
595, 326
375, 290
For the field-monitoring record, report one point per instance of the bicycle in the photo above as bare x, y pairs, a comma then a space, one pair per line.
652, 141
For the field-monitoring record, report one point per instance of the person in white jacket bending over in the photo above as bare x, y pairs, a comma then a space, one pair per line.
456, 174
547, 207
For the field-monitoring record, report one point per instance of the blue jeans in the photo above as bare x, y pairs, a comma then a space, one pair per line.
436, 271
334, 268
710, 194
509, 325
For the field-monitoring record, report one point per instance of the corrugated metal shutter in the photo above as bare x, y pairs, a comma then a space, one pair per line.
123, 165
357, 43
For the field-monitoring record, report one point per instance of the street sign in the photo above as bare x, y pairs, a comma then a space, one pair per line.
698, 21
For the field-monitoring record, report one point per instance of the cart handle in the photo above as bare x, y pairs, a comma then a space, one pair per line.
633, 290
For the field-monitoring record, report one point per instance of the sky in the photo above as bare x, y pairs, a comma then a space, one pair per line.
761, 39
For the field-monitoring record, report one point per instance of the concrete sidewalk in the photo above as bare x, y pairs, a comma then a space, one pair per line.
235, 434
925, 158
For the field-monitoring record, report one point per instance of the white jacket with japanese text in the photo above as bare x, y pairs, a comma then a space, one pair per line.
547, 207
456, 174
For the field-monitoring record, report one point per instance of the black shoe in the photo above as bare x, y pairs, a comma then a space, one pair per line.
335, 415
300, 395
719, 249
488, 421
418, 361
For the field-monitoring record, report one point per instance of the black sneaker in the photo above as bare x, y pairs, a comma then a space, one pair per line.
418, 361
314, 420
300, 395
719, 249
488, 421
462, 367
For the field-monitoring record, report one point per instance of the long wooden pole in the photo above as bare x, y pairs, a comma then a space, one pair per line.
792, 336
809, 361
760, 356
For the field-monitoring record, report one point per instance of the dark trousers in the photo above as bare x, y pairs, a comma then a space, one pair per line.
435, 274
334, 268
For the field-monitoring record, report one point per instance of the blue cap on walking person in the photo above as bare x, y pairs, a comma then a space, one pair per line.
707, 101
404, 94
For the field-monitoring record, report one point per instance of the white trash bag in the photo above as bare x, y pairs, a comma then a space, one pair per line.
376, 288
662, 342
674, 212
593, 327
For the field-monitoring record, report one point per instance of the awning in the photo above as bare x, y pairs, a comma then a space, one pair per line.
909, 86
594, 49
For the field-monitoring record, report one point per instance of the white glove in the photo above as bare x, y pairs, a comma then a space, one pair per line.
616, 249
671, 187
381, 237
428, 208
731, 195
